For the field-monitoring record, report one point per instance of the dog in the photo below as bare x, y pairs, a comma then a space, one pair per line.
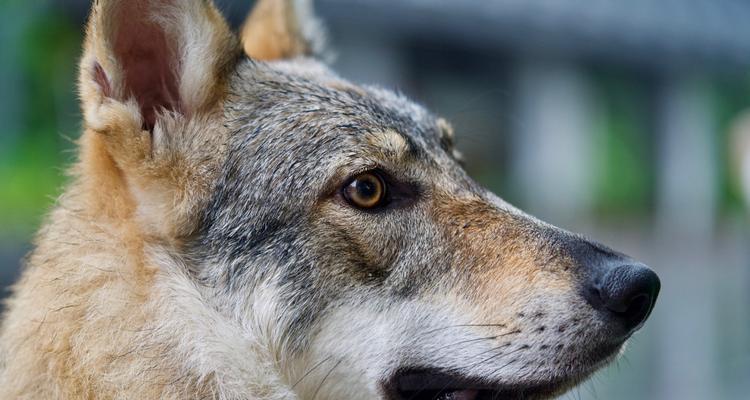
242, 223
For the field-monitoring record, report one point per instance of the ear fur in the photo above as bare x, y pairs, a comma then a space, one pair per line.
151, 82
282, 29
164, 54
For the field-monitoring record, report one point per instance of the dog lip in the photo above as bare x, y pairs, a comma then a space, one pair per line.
429, 383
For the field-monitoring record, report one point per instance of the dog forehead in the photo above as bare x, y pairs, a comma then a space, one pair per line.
306, 67
307, 94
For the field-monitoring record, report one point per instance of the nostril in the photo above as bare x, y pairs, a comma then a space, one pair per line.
635, 312
629, 292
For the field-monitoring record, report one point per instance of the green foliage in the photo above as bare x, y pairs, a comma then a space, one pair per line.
39, 66
624, 170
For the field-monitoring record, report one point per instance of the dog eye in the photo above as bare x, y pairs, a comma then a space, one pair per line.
366, 190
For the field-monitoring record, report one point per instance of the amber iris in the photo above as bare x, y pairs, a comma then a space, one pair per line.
365, 190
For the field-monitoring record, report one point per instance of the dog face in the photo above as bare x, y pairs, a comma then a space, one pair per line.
334, 222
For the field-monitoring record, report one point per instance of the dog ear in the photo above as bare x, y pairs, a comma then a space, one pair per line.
281, 29
165, 55
152, 80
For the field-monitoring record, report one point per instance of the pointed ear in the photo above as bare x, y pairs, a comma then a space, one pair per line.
155, 55
280, 29
152, 79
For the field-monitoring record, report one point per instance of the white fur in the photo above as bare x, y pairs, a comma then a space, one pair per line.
238, 359
186, 22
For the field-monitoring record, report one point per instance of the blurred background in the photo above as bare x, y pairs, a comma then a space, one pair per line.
628, 121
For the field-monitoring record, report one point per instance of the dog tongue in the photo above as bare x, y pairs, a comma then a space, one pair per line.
467, 394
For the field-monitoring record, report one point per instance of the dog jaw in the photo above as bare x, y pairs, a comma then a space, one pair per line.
360, 350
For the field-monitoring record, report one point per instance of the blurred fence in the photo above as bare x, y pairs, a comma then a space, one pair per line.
610, 118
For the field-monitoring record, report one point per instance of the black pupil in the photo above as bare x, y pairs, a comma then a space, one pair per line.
366, 188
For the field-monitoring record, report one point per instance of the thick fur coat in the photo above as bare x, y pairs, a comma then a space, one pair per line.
208, 245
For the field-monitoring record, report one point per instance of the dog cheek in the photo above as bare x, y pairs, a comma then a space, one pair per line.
350, 249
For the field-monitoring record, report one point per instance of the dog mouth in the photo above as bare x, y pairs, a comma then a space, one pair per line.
424, 384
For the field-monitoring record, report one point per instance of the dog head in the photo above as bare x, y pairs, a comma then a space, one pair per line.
331, 224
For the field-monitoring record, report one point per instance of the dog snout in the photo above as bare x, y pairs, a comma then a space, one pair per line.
624, 290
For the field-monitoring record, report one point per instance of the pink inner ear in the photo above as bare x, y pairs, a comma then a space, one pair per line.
101, 79
149, 60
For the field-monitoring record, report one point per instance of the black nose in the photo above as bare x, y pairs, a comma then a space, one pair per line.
625, 290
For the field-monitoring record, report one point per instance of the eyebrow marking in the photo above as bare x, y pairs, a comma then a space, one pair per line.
445, 130
391, 143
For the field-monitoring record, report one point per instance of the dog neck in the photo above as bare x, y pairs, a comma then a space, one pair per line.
235, 355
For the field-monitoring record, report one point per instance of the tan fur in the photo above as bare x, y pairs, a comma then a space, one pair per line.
85, 321
506, 251
273, 32
389, 144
